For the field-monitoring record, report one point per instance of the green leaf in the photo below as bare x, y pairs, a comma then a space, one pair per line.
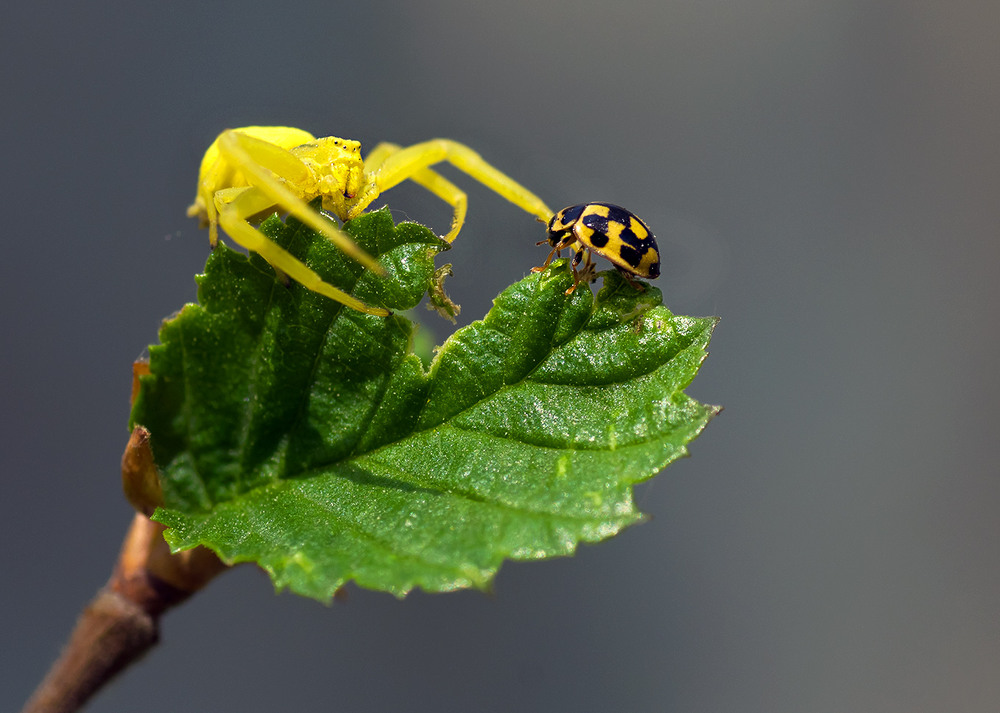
307, 437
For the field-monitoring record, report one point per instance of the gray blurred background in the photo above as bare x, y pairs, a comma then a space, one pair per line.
821, 174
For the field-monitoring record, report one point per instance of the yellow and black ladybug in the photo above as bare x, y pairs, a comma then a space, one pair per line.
608, 230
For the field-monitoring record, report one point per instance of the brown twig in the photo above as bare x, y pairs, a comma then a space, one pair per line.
121, 623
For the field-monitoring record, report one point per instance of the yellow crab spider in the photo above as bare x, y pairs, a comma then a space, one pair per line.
256, 168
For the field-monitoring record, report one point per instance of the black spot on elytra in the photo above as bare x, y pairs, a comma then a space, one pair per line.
630, 255
598, 239
568, 216
618, 214
630, 238
597, 223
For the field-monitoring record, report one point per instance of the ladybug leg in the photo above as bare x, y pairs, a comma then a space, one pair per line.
588, 267
589, 271
555, 252
628, 278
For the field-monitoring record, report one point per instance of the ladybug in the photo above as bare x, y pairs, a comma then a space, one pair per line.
608, 230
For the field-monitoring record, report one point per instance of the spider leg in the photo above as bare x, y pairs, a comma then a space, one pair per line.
394, 165
234, 209
270, 169
429, 179
216, 173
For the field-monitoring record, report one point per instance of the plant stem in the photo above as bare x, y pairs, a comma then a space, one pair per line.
121, 623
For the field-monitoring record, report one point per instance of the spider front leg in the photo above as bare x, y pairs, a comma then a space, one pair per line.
217, 173
429, 179
236, 205
393, 165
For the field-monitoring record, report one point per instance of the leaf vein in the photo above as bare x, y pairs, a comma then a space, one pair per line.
477, 498
364, 534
